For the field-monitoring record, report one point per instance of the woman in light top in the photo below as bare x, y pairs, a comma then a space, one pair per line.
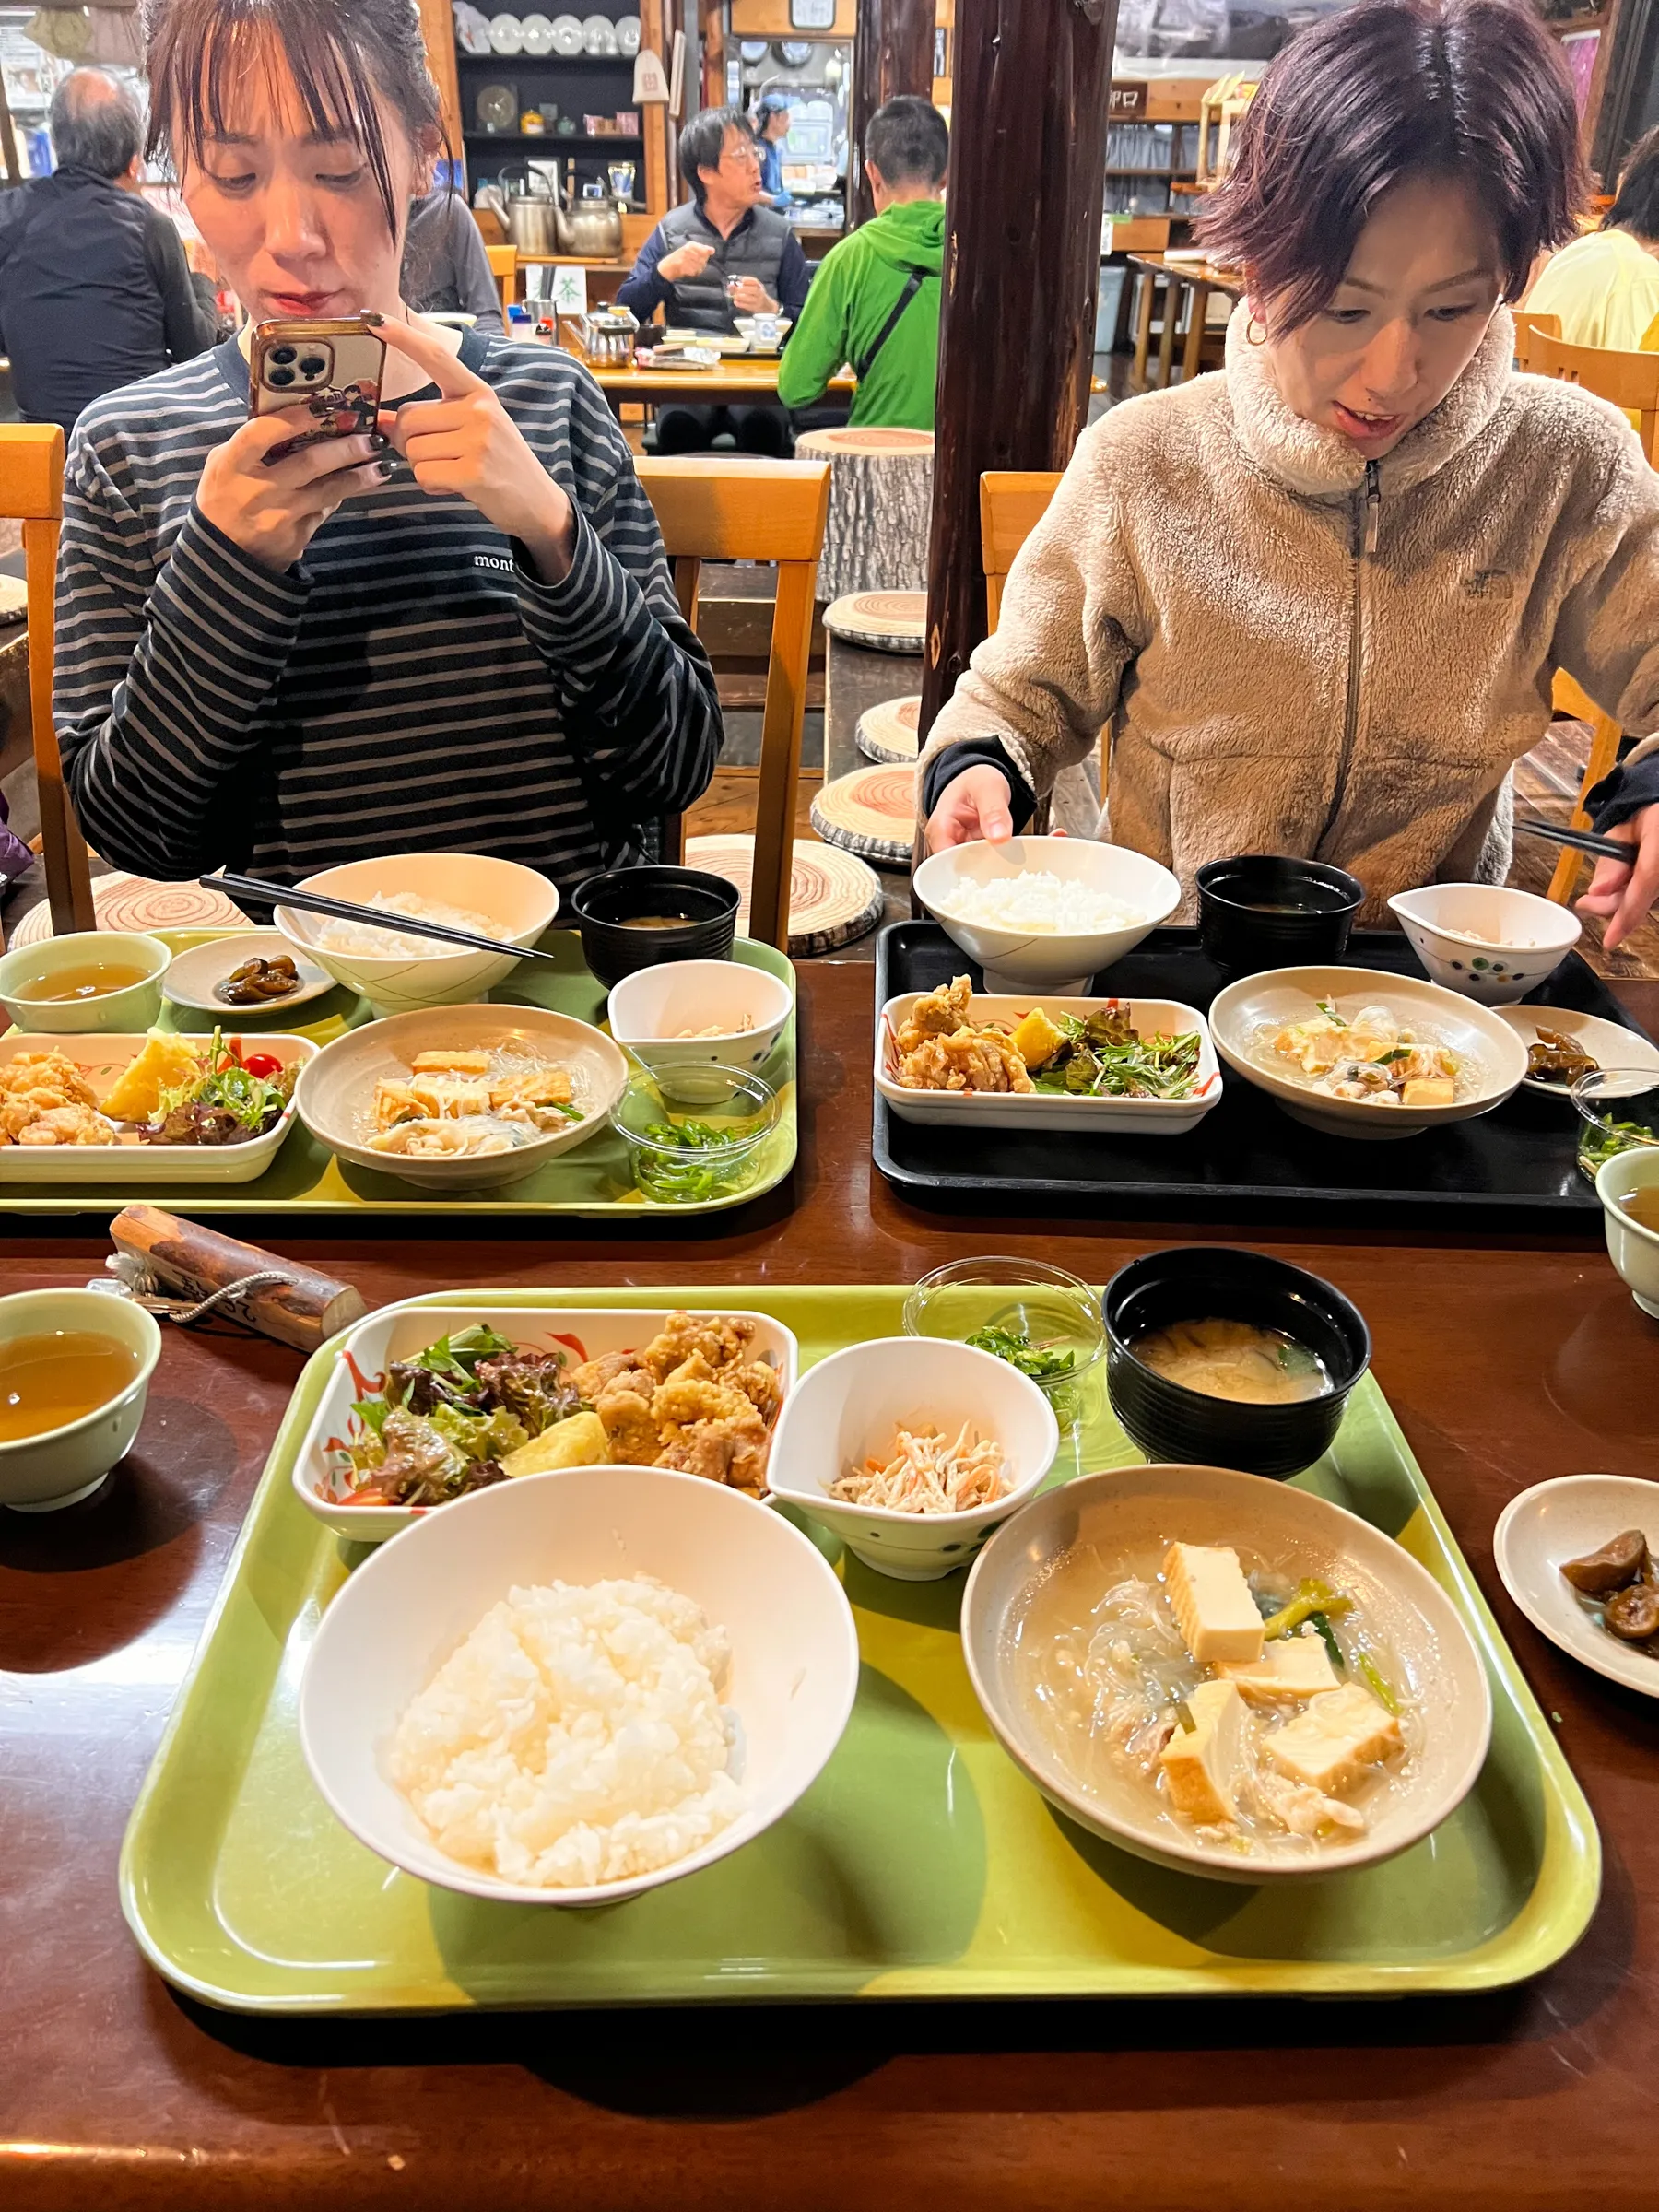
1320, 598
1604, 288
455, 633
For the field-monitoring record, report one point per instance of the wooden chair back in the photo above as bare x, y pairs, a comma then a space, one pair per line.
714, 509
1527, 326
503, 267
1568, 697
1629, 380
31, 492
1012, 503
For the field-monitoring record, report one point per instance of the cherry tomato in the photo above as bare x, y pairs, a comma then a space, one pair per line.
263, 1065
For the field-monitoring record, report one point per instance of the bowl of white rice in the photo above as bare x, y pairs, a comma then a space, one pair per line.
569, 1688
398, 971
1045, 913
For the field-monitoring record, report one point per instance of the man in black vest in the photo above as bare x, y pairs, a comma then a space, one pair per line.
94, 292
725, 252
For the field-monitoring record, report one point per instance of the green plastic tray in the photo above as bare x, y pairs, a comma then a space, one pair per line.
920, 1864
591, 1182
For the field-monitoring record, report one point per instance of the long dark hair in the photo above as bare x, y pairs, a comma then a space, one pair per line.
338, 52
1636, 205
1471, 90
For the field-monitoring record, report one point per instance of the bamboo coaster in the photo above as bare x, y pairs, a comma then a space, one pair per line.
883, 621
833, 897
889, 732
872, 812
135, 902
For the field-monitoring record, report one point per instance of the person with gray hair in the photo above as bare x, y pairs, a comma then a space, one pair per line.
94, 291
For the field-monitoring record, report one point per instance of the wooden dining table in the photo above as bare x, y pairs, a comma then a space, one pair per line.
737, 378
1188, 284
1506, 1359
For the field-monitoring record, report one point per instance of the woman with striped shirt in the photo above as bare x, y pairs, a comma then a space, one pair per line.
457, 633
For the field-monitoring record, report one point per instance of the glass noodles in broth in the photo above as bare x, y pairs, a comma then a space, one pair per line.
1233, 1359
1286, 1750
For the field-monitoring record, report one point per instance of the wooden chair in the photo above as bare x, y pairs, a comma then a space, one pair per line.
31, 492
1629, 380
1528, 324
716, 509
503, 267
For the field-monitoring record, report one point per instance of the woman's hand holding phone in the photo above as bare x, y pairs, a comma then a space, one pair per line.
273, 510
465, 442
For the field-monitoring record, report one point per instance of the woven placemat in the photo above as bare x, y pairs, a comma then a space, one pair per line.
883, 621
889, 732
833, 897
136, 902
872, 812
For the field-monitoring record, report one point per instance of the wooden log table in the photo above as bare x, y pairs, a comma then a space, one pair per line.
1505, 1362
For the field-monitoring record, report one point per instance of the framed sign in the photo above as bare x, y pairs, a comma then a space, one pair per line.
812, 15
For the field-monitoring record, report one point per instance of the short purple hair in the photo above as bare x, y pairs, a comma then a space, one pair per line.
1474, 91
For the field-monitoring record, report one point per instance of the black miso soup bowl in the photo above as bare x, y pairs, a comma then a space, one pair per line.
1211, 1282
1261, 910
603, 904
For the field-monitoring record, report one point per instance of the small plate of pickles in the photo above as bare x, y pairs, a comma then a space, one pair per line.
1562, 1044
238, 977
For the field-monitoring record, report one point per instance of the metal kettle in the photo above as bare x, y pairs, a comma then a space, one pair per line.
532, 210
590, 229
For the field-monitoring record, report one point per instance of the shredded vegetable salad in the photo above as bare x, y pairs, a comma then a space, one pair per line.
925, 1474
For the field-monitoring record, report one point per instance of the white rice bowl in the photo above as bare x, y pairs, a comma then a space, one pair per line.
575, 1736
1039, 900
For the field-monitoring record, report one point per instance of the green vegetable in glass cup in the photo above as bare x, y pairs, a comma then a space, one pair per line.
1604, 1140
1039, 1362
690, 1182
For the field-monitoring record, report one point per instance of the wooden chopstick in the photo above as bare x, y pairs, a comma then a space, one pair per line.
1581, 841
236, 887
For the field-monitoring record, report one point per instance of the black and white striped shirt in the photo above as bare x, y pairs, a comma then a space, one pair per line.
410, 686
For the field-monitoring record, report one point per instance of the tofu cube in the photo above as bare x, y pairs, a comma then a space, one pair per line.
1329, 1744
1428, 1090
1211, 1601
1291, 1667
1205, 1764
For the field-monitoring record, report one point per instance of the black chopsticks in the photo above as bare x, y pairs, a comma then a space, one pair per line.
1581, 841
240, 888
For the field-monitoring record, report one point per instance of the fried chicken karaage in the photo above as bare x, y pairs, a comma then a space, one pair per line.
693, 1398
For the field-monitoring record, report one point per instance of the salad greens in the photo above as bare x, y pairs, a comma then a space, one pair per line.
225, 1105
1106, 1056
444, 1419
1015, 1346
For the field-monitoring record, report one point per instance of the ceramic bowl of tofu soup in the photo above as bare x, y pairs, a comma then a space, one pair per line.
1227, 1677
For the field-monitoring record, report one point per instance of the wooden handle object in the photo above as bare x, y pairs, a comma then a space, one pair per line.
192, 1261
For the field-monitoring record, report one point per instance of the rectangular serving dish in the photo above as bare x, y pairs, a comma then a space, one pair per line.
1514, 1168
591, 1182
362, 1355
1047, 1111
920, 1864
101, 1055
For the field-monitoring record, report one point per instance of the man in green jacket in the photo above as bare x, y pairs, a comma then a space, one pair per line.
875, 302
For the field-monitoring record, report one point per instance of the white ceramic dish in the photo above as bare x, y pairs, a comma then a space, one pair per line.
1039, 1111
336, 1093
791, 1683
133, 1008
41, 1473
567, 36
1122, 1512
846, 1408
536, 35
649, 1009
598, 34
1562, 1520
627, 35
1286, 995
1609, 1043
1484, 940
399, 1332
1048, 961
101, 1058
520, 902
506, 34
191, 981
1633, 1250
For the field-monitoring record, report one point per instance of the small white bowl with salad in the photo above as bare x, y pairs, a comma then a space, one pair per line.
429, 1403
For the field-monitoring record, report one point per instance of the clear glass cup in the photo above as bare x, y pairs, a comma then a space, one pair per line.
1617, 1110
695, 1134
1017, 1307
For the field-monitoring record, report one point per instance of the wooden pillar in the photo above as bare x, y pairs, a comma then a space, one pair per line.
1022, 258
893, 53
438, 31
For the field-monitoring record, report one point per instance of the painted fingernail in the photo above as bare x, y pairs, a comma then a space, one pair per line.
385, 469
372, 316
378, 443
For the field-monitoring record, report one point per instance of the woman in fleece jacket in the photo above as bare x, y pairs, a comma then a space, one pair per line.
1320, 597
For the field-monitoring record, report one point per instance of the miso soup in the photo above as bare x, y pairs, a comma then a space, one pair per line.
1233, 1359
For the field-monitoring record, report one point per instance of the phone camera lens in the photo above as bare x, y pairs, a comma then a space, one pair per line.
313, 365
280, 376
281, 353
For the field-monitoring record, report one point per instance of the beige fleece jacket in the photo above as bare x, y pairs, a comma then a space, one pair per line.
1292, 665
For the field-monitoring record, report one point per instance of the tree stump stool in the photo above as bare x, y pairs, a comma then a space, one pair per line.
881, 507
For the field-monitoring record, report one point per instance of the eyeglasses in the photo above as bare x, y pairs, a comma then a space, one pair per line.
748, 151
